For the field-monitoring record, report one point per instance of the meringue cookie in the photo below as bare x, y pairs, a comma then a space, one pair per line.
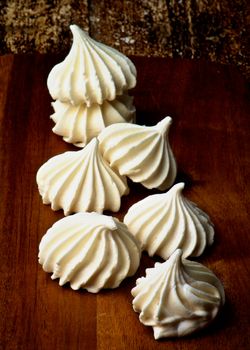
79, 124
177, 297
167, 221
90, 251
81, 181
140, 152
91, 73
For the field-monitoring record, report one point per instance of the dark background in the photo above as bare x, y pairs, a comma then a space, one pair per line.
210, 29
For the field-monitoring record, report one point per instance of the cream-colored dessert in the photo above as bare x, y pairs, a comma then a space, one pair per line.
167, 221
91, 73
79, 124
140, 152
80, 181
90, 251
177, 297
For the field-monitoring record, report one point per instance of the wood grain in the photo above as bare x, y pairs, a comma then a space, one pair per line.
209, 104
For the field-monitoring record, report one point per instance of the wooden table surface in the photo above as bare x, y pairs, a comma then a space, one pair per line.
209, 105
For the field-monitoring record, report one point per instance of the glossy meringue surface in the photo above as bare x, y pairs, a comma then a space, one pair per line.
140, 152
90, 251
91, 73
177, 297
80, 181
79, 124
167, 221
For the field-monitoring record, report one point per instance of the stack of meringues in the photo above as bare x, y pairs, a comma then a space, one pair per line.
91, 89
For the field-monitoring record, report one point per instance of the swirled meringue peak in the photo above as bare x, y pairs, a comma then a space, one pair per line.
79, 124
140, 152
91, 73
90, 251
177, 297
167, 221
80, 181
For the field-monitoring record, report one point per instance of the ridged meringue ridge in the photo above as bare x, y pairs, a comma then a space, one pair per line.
90, 251
177, 297
140, 152
91, 73
80, 181
79, 124
167, 221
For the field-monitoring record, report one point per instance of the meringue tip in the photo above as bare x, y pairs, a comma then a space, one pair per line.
178, 187
111, 224
76, 30
94, 141
177, 254
164, 124
108, 221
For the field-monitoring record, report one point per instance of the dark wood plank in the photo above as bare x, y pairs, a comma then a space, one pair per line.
209, 104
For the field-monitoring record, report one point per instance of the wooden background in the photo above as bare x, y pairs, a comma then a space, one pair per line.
216, 30
209, 104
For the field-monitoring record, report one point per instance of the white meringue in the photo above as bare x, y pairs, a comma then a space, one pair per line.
167, 221
90, 251
81, 181
91, 73
140, 152
79, 124
177, 297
